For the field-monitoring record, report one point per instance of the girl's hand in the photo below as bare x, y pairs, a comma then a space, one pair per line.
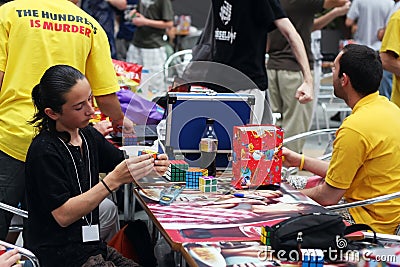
104, 127
161, 164
10, 258
130, 169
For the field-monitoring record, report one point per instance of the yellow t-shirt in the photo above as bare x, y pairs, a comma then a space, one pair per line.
35, 35
391, 42
366, 161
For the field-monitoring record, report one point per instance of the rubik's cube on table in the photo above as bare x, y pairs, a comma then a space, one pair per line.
208, 184
312, 258
266, 235
193, 175
177, 171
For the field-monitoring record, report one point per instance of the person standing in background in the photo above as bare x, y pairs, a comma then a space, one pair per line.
104, 12
366, 18
240, 32
385, 88
369, 16
29, 44
126, 29
284, 72
151, 18
390, 52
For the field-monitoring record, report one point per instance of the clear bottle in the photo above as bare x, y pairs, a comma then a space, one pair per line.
208, 148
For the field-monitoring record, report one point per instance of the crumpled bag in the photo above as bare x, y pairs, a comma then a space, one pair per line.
139, 110
129, 74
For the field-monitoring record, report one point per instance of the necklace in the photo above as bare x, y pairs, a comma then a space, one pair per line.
76, 171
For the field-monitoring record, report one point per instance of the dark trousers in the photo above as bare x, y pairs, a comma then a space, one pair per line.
12, 184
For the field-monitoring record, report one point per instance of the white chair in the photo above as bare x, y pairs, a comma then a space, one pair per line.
175, 65
329, 102
18, 214
325, 151
25, 253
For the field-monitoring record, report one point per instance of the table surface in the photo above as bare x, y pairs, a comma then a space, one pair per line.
220, 229
196, 219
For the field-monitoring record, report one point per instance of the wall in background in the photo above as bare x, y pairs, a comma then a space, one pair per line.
197, 9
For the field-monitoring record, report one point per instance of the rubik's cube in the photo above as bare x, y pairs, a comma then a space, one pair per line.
193, 175
266, 235
177, 171
147, 151
208, 184
312, 258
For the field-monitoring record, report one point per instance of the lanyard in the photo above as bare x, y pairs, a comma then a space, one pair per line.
77, 175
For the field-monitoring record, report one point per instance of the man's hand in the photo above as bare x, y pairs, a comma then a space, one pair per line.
139, 20
124, 125
292, 159
342, 10
305, 93
104, 127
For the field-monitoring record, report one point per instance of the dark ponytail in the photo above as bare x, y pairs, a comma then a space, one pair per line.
49, 93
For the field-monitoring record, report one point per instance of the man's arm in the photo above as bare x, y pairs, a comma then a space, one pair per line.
390, 62
324, 194
324, 20
140, 21
110, 106
349, 22
120, 4
316, 166
328, 4
305, 92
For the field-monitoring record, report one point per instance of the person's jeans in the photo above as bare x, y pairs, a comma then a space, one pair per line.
385, 87
12, 184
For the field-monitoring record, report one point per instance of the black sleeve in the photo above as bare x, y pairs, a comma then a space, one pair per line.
270, 10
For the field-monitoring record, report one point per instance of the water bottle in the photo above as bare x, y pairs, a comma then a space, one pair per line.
208, 148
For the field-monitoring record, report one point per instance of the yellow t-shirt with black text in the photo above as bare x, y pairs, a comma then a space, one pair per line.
35, 35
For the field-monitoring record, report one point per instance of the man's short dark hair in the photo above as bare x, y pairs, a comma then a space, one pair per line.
363, 66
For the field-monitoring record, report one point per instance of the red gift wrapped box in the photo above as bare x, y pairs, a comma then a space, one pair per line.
257, 155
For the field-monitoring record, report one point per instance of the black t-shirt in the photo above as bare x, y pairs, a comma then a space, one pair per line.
241, 29
301, 13
50, 181
150, 37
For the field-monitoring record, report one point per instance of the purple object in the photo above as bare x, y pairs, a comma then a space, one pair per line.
139, 110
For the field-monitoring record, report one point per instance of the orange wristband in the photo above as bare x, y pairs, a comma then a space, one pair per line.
302, 162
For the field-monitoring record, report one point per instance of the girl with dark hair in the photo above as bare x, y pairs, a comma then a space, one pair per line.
62, 167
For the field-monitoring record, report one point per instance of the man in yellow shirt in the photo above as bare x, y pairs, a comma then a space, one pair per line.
365, 159
35, 35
